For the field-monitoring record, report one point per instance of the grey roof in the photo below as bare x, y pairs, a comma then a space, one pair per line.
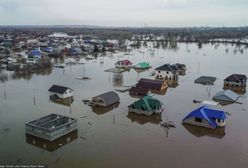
108, 98
167, 67
58, 89
236, 77
226, 95
206, 80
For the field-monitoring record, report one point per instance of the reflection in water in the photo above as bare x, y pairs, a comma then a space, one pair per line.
102, 110
66, 101
219, 132
117, 79
28, 74
142, 119
52, 145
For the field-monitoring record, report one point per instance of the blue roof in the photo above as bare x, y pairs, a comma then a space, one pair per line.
208, 114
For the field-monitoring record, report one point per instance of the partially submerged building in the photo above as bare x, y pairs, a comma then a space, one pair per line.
226, 97
123, 64
206, 117
142, 65
105, 99
236, 82
205, 80
51, 127
60, 91
146, 106
167, 72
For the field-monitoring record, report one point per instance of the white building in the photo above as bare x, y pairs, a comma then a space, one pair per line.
61, 91
167, 72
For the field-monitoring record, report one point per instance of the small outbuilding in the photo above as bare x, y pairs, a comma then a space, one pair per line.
226, 96
60, 91
206, 117
146, 106
205, 80
105, 99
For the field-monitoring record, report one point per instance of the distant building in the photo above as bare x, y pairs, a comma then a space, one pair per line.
206, 117
123, 64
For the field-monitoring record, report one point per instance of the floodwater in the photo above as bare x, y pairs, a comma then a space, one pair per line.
114, 138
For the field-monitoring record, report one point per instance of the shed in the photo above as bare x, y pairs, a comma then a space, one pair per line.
105, 99
206, 117
146, 106
226, 96
60, 91
205, 80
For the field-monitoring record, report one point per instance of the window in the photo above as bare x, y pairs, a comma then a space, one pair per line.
219, 120
159, 71
167, 72
198, 120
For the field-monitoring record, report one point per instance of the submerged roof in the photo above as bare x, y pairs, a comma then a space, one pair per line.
226, 95
142, 65
126, 62
167, 67
147, 103
150, 83
109, 98
205, 80
236, 77
208, 114
58, 89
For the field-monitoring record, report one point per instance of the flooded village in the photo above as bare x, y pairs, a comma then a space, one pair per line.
124, 97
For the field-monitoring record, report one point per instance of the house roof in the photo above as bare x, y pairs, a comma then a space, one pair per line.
139, 90
150, 83
58, 89
126, 62
35, 53
109, 98
208, 114
167, 67
236, 77
226, 95
142, 65
180, 66
205, 80
147, 103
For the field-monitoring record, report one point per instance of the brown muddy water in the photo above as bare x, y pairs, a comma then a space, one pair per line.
114, 138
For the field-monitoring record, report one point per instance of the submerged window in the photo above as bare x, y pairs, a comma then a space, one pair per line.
198, 120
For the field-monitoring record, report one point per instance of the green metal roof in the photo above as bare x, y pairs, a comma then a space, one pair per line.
148, 103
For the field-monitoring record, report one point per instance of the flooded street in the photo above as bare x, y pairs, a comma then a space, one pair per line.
115, 138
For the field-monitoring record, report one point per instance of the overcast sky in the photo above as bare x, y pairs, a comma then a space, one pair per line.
156, 13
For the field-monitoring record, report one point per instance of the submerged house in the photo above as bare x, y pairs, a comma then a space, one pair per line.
205, 80
206, 117
105, 100
236, 82
167, 72
142, 65
145, 86
51, 127
146, 106
226, 97
123, 64
60, 91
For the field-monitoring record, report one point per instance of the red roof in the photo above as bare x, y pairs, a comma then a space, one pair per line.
126, 62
